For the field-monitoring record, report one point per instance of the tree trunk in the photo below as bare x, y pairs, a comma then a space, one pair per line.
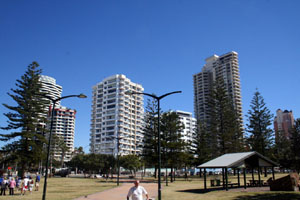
172, 174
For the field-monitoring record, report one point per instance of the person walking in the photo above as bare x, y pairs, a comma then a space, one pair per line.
18, 183
37, 182
137, 191
4, 186
12, 185
1, 179
25, 184
30, 184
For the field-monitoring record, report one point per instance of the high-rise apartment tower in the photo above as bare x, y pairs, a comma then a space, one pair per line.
64, 120
64, 129
190, 125
225, 67
50, 87
283, 123
117, 118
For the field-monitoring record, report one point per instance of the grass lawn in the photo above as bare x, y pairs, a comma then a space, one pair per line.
193, 190
70, 188
64, 189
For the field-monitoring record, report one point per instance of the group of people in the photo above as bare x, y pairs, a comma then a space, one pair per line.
27, 184
19, 184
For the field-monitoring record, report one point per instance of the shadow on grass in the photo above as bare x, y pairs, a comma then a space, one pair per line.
264, 196
201, 191
273, 196
125, 181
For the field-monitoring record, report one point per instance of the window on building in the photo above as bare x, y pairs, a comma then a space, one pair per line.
111, 106
110, 128
111, 96
111, 101
112, 90
110, 112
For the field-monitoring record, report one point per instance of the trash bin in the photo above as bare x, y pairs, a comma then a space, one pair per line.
212, 182
218, 182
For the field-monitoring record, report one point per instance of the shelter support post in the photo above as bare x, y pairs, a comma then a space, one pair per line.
205, 179
273, 174
265, 169
223, 177
244, 172
226, 177
252, 174
259, 180
200, 173
238, 174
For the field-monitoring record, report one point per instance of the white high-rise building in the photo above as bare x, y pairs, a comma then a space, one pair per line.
50, 87
226, 67
190, 125
52, 90
117, 118
64, 118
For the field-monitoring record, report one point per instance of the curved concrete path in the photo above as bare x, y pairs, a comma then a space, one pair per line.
120, 193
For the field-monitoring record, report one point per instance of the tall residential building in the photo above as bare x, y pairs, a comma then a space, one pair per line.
64, 129
226, 67
52, 90
50, 87
117, 118
283, 122
64, 118
190, 125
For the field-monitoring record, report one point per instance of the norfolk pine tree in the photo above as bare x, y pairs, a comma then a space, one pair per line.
24, 120
260, 119
202, 151
224, 127
282, 150
295, 147
173, 146
150, 153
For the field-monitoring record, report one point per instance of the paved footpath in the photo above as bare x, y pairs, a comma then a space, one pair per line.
120, 193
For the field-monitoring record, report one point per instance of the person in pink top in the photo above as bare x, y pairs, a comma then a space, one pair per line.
12, 185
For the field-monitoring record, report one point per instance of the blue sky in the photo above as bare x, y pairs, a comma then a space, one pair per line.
159, 44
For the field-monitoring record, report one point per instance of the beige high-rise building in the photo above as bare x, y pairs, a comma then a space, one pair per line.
283, 123
226, 67
117, 118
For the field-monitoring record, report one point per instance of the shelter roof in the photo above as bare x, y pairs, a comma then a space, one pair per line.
239, 160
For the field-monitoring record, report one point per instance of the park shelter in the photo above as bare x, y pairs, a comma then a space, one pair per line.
239, 161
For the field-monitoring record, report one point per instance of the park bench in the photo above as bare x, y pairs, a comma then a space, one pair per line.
233, 184
255, 183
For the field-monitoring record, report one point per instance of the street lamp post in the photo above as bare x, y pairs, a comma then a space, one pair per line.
118, 161
118, 158
54, 101
158, 130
